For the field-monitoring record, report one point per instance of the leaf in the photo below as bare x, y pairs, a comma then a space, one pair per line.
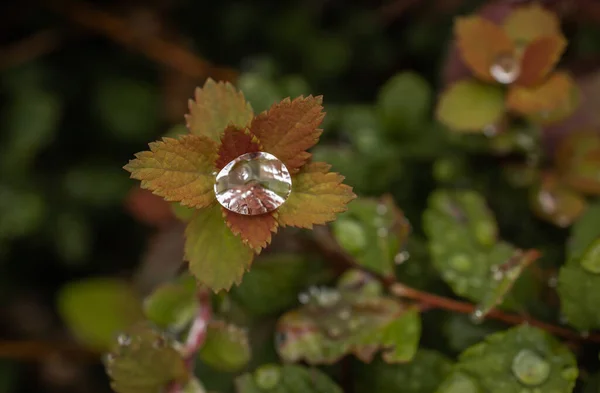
217, 257
469, 106
404, 101
289, 128
217, 105
528, 23
143, 360
226, 347
96, 309
539, 58
421, 375
179, 170
460, 332
583, 232
234, 143
22, 212
173, 305
255, 231
275, 280
578, 161
373, 232
481, 42
523, 357
556, 203
286, 379
193, 386
317, 196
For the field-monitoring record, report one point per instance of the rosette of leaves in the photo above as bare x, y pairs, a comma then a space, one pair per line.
521, 359
520, 54
353, 318
221, 244
466, 251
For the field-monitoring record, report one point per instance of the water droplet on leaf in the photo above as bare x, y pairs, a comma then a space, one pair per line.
253, 183
124, 340
477, 316
506, 69
530, 368
401, 257
381, 209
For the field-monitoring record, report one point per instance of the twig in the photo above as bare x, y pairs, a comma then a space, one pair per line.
36, 45
34, 350
445, 303
156, 48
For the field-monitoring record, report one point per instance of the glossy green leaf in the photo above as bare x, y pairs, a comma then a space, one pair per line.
173, 305
217, 257
95, 309
583, 232
470, 106
523, 358
422, 375
143, 360
226, 347
286, 379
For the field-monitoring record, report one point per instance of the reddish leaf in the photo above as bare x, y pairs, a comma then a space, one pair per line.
234, 143
539, 59
255, 231
289, 128
553, 95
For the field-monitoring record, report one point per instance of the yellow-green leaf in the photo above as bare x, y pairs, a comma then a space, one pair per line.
217, 257
216, 105
174, 304
179, 170
469, 106
226, 347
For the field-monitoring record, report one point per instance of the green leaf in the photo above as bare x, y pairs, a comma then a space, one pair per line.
226, 347
173, 305
584, 232
404, 102
520, 359
469, 106
143, 360
22, 212
286, 379
373, 232
460, 332
217, 257
193, 386
422, 375
95, 309
275, 280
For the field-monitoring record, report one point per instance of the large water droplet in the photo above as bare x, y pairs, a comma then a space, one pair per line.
530, 368
506, 68
253, 183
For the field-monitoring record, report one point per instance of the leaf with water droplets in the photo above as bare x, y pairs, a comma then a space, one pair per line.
481, 42
530, 22
234, 143
226, 347
289, 128
273, 283
578, 161
95, 309
552, 101
373, 232
556, 203
173, 305
215, 106
217, 257
515, 360
539, 58
583, 233
179, 170
317, 197
470, 106
144, 360
286, 379
421, 375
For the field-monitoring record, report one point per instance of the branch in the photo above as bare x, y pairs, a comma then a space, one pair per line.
34, 350
155, 48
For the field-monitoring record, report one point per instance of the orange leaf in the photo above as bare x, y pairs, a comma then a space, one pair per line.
539, 59
578, 160
255, 231
179, 170
481, 43
217, 105
317, 196
552, 201
552, 95
234, 143
526, 24
289, 128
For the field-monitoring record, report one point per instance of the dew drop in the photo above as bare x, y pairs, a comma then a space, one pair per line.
108, 358
124, 340
253, 183
381, 209
267, 377
477, 316
530, 368
334, 332
506, 69
304, 298
401, 257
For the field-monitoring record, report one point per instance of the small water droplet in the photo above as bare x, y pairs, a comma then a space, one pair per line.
401, 257
108, 358
382, 232
304, 298
124, 340
506, 68
344, 313
253, 183
497, 273
553, 281
490, 130
381, 209
334, 332
530, 368
477, 316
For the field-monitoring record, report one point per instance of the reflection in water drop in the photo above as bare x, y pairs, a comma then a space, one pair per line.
124, 340
477, 316
401, 257
506, 68
530, 368
253, 183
